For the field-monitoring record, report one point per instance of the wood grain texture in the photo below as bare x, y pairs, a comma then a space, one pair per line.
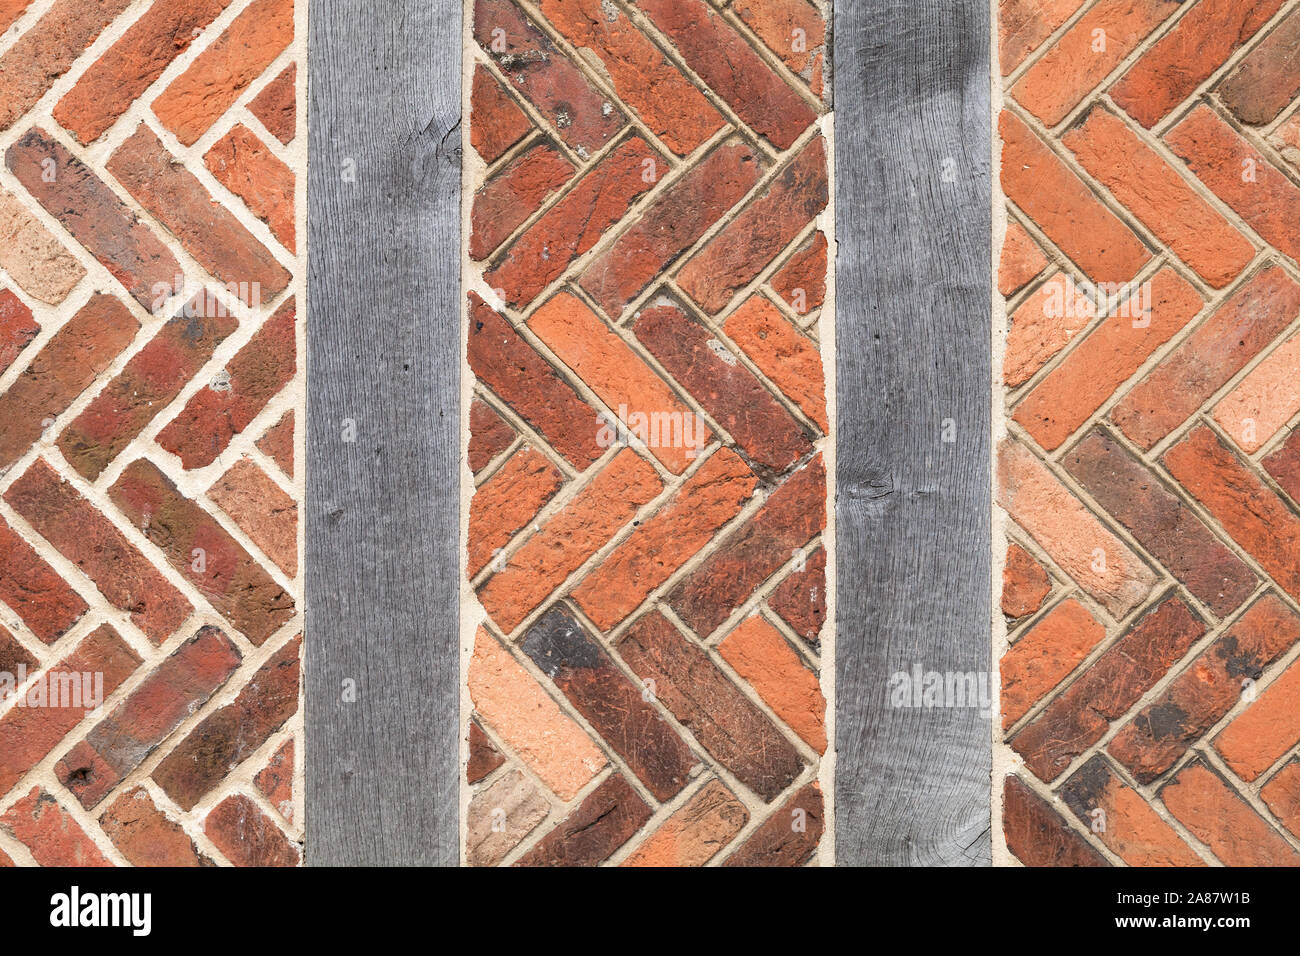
913, 344
382, 511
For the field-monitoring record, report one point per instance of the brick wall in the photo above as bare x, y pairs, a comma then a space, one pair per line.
1149, 471
647, 222
151, 288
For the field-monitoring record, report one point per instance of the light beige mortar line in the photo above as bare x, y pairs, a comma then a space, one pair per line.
802, 648
489, 471
526, 435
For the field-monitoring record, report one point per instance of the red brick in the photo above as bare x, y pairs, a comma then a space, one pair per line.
1150, 189
1037, 834
34, 590
735, 398
216, 414
1105, 359
732, 69
496, 121
1080, 716
614, 706
47, 49
516, 192
36, 261
1045, 655
1126, 824
1021, 260
671, 226
1044, 324
1217, 154
789, 837
229, 736
776, 23
28, 734
278, 443
130, 66
243, 164
76, 527
17, 328
1023, 25
276, 107
247, 836
1284, 465
1188, 55
572, 226
262, 510
195, 99
800, 599
276, 780
502, 360
10, 11
1264, 401
506, 502
489, 435
1058, 201
1200, 365
568, 538
753, 552
1218, 817
53, 835
144, 834
602, 823
1249, 510
734, 257
788, 358
580, 113
232, 581
174, 690
1282, 796
483, 754
1160, 522
801, 282
663, 543
1201, 695
1267, 729
1268, 79
94, 215
710, 706
13, 655
151, 380
621, 379
207, 230
644, 79
760, 655
1070, 533
1053, 86
1025, 584
68, 363
696, 832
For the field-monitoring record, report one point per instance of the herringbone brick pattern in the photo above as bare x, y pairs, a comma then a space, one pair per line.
150, 318
647, 235
1150, 472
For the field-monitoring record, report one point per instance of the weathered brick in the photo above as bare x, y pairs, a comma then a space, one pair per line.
489, 435
1021, 260
663, 543
130, 66
1051, 194
1264, 401
1037, 834
602, 823
83, 535
228, 404
614, 706
506, 502
760, 655
789, 837
50, 832
278, 443
751, 553
13, 655
1025, 585
696, 832
1203, 362
1078, 718
734, 257
176, 688
10, 11
207, 230
222, 570
496, 121
229, 736
1043, 325
195, 99
243, 164
1268, 79
277, 105
788, 358
1284, 465
672, 225
1023, 25
801, 282
800, 599
144, 834
1268, 728
1160, 521
516, 192
88, 209
1218, 817
267, 514
34, 590
792, 29
1282, 796
500, 816
483, 754
699, 695
36, 261
247, 836
276, 780
1044, 655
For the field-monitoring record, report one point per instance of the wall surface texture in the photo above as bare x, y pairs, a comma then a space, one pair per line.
1149, 472
646, 218
151, 303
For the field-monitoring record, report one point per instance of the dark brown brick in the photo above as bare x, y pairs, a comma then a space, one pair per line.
801, 598
1268, 78
788, 837
1037, 835
590, 834
483, 754
247, 836
1284, 465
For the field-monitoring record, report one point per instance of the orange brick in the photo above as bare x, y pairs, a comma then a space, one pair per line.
1044, 655
1042, 326
1021, 260
1282, 796
506, 502
1221, 819
696, 832
783, 354
761, 656
1258, 737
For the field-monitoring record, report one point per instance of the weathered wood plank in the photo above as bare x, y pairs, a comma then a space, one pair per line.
913, 319
383, 354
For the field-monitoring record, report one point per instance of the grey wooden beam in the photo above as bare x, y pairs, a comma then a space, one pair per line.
383, 504
913, 291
